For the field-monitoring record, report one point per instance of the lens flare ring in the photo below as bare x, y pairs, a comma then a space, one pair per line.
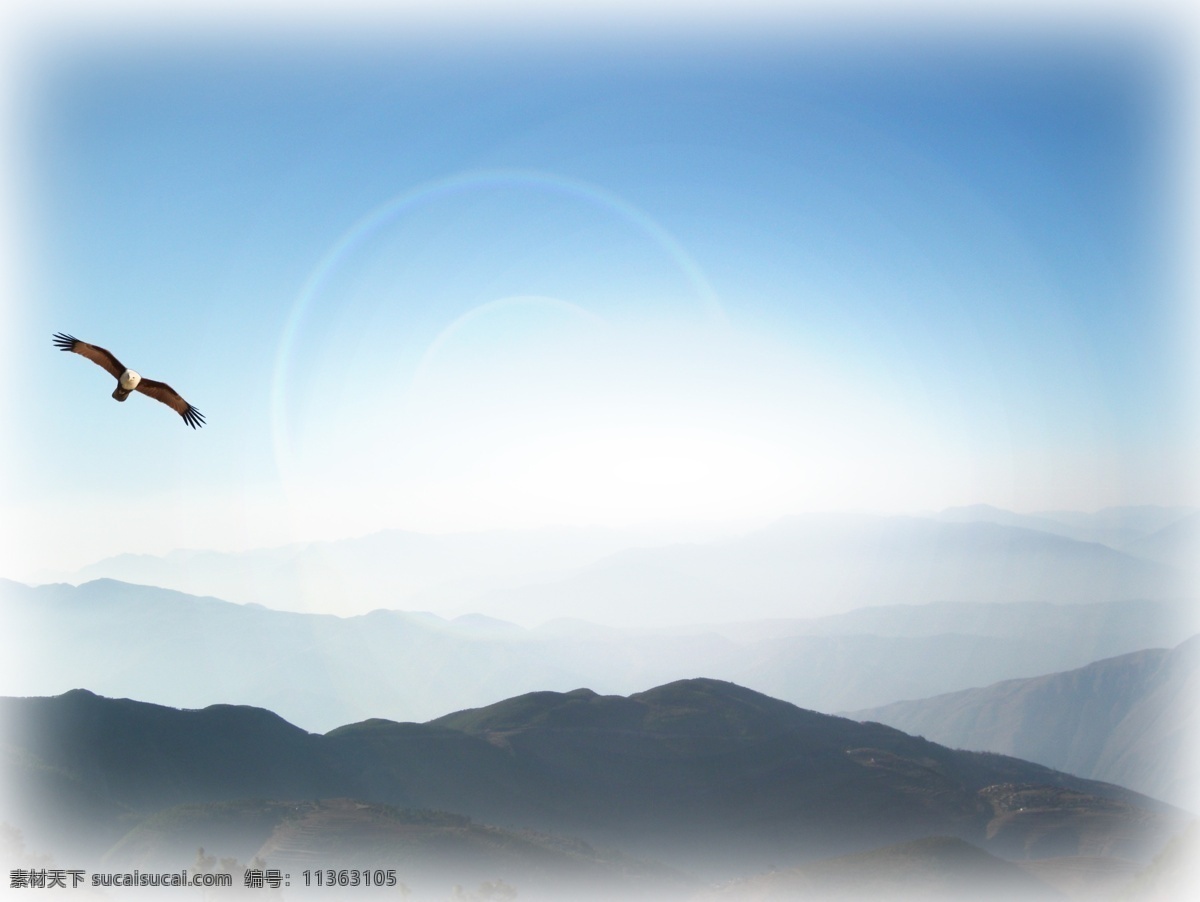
464, 183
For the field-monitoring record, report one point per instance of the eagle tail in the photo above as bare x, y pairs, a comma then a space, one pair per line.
121, 393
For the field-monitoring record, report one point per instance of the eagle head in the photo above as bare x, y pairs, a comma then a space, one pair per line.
129, 380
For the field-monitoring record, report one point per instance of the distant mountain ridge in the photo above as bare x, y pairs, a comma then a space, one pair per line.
812, 563
702, 774
1177, 544
320, 671
392, 568
1130, 720
1117, 527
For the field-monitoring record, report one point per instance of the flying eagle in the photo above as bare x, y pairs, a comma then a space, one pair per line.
128, 380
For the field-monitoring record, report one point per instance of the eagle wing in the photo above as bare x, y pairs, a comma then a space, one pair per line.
93, 353
160, 391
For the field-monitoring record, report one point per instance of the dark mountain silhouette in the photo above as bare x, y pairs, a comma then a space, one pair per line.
1130, 720
701, 774
320, 671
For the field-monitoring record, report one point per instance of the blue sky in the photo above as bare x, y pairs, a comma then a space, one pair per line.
462, 284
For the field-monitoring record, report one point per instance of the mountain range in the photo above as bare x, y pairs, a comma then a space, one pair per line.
1058, 637
1147, 531
702, 776
812, 564
1130, 720
831, 563
320, 671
